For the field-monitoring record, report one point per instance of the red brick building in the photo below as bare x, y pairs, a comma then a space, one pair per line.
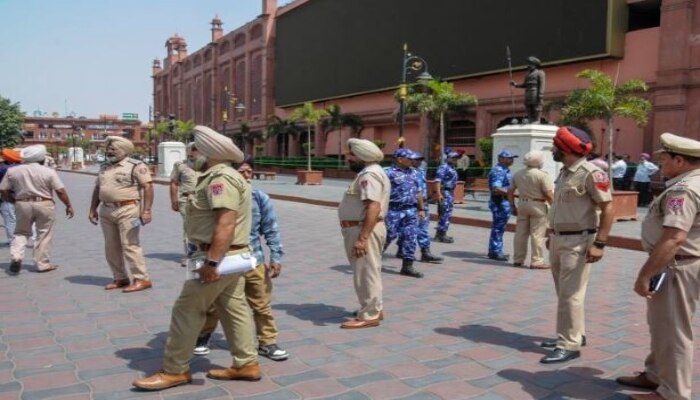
653, 40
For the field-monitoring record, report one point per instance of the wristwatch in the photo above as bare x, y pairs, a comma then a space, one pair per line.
599, 244
211, 263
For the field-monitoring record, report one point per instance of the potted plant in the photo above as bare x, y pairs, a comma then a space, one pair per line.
311, 116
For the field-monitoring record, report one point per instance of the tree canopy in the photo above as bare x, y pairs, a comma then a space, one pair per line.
11, 120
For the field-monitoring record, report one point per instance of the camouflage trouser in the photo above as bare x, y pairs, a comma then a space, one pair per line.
403, 223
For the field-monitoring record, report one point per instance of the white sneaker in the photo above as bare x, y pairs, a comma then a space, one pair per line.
201, 350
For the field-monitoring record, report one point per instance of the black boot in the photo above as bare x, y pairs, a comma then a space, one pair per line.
408, 270
429, 258
442, 237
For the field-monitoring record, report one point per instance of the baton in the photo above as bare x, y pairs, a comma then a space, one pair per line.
510, 72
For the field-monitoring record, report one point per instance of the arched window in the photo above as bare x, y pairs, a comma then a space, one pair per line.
239, 40
256, 32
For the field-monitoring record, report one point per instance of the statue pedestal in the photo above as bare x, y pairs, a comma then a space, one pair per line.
520, 139
168, 154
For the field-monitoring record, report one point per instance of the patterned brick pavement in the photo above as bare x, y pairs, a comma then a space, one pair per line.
469, 330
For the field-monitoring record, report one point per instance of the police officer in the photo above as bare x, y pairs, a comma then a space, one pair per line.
423, 236
182, 183
117, 189
218, 223
361, 213
535, 191
499, 182
11, 158
671, 236
405, 209
577, 235
30, 187
446, 178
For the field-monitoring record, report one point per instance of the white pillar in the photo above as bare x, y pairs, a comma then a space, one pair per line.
168, 154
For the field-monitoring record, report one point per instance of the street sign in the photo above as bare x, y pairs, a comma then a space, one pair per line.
130, 116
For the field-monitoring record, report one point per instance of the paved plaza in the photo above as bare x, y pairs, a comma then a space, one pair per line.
469, 330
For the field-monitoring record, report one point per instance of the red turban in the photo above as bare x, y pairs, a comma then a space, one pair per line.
573, 140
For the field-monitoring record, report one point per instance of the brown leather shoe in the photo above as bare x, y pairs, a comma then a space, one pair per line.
116, 284
381, 314
250, 372
540, 266
639, 381
51, 267
647, 396
359, 323
163, 380
137, 286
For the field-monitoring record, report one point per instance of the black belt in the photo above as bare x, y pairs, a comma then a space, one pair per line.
589, 231
207, 246
402, 206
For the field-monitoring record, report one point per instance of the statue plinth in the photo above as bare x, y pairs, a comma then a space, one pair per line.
520, 139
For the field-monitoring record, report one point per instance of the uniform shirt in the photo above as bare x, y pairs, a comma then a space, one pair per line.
578, 190
677, 207
185, 176
619, 168
404, 186
499, 177
447, 176
422, 182
645, 169
532, 183
219, 187
31, 180
121, 181
264, 223
372, 184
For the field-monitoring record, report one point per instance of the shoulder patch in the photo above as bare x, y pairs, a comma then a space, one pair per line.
601, 180
142, 170
216, 189
675, 203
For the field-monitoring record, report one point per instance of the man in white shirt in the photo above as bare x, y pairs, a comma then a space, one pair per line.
642, 179
619, 168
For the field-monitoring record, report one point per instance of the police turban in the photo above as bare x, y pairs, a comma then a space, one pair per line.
33, 154
365, 150
120, 143
534, 159
573, 141
216, 146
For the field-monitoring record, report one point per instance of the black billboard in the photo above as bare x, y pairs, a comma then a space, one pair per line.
333, 48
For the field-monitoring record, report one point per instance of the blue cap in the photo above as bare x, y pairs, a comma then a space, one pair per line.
506, 154
404, 153
454, 154
417, 155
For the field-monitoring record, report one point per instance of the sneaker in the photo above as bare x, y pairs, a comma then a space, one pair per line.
273, 352
202, 346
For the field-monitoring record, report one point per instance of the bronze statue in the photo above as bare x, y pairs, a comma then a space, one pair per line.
534, 90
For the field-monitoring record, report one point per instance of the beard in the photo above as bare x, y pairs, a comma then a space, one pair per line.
558, 156
200, 164
356, 166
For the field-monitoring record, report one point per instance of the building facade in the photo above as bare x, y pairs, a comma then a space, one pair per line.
659, 45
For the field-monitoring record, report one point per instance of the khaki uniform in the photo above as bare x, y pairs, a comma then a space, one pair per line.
186, 179
670, 310
370, 184
120, 214
574, 218
33, 186
219, 187
531, 184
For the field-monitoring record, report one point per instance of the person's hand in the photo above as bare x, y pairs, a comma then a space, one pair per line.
175, 206
146, 216
594, 254
92, 216
207, 274
359, 249
641, 286
69, 212
273, 269
421, 215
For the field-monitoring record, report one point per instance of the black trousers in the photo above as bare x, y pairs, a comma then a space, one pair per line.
644, 193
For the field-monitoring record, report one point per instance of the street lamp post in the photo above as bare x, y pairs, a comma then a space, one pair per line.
229, 98
414, 63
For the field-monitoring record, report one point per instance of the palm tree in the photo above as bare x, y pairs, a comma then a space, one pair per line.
439, 98
282, 127
184, 131
336, 121
311, 116
604, 99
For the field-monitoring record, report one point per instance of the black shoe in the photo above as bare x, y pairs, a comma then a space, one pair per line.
499, 257
550, 344
399, 254
560, 355
442, 237
408, 270
429, 258
15, 266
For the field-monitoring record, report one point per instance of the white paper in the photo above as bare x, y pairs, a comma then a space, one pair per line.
238, 263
